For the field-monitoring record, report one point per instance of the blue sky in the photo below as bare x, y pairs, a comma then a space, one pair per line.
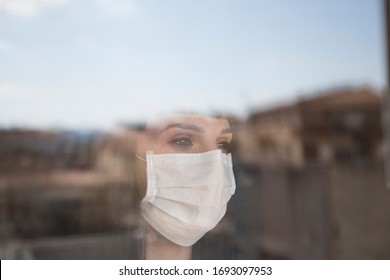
98, 63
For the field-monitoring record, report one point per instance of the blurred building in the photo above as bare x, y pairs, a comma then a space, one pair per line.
311, 180
66, 194
339, 124
34, 151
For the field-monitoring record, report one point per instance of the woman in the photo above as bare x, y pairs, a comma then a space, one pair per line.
186, 178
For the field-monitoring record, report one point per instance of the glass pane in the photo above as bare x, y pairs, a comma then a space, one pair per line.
193, 129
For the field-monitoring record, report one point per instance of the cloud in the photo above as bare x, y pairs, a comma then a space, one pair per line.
120, 9
14, 91
5, 46
29, 8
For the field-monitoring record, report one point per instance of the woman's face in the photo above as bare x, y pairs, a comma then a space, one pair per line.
183, 134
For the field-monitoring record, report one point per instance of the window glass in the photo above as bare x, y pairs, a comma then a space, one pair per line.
202, 129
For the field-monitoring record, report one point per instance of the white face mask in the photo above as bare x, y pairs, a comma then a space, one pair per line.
187, 194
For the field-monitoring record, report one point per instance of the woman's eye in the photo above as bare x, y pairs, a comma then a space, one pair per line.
183, 141
223, 146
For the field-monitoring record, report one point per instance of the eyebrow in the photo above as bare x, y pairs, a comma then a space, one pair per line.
192, 127
226, 131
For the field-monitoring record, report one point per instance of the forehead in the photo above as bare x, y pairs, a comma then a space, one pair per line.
202, 121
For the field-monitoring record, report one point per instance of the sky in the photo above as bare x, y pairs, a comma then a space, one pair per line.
96, 64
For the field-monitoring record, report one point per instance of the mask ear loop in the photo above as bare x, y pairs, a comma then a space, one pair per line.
137, 156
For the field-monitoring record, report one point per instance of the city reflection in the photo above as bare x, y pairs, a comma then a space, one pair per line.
309, 174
